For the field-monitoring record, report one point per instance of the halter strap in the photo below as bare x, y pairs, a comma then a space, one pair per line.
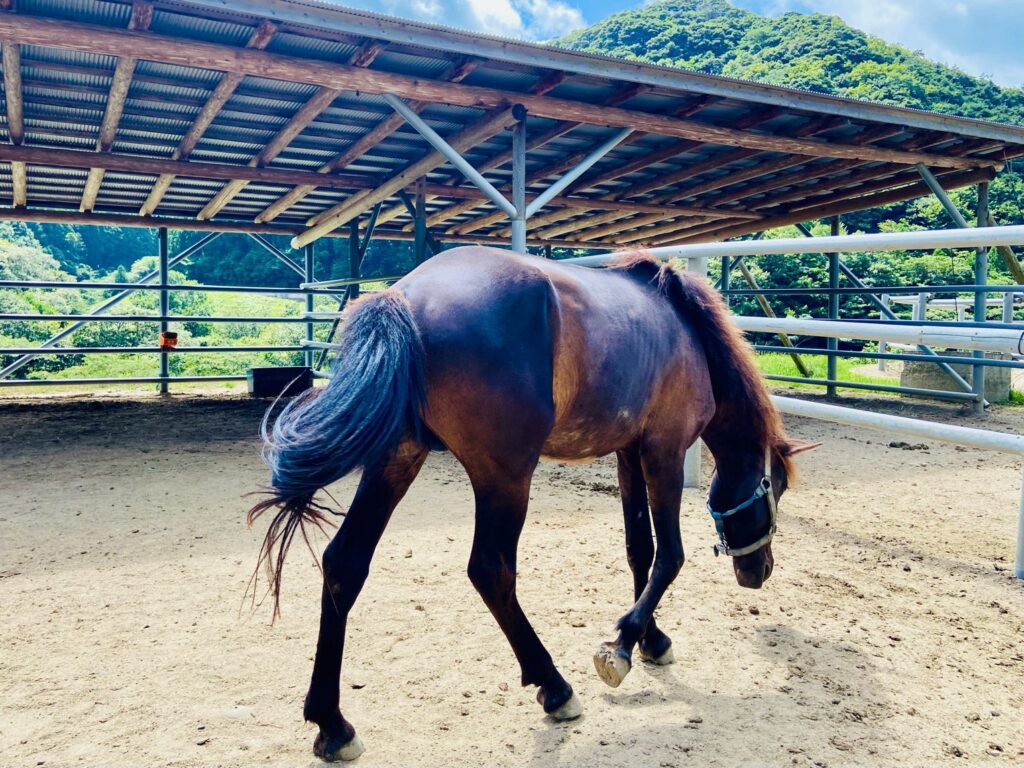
764, 488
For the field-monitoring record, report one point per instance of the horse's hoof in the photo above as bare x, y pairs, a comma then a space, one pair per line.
612, 664
568, 711
666, 658
330, 750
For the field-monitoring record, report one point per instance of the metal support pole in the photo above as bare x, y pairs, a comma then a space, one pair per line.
165, 304
940, 193
112, 301
307, 252
694, 454
420, 224
1007, 307
355, 258
833, 313
518, 218
575, 172
1018, 561
725, 280
980, 299
884, 310
882, 346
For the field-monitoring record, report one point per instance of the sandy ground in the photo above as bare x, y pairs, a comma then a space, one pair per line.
891, 633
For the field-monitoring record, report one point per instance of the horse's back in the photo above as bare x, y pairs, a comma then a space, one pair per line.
487, 321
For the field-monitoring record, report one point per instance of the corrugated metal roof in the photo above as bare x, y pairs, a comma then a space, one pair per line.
65, 94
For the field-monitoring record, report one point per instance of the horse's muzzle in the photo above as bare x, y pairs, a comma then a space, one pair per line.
753, 570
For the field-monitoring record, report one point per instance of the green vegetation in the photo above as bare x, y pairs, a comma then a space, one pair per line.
815, 52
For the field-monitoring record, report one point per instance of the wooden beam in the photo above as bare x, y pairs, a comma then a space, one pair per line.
307, 113
259, 40
76, 158
93, 38
221, 225
142, 15
492, 122
951, 180
456, 73
559, 129
749, 121
802, 194
19, 181
12, 92
15, 119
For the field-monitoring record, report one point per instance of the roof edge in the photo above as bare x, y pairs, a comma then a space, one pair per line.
312, 13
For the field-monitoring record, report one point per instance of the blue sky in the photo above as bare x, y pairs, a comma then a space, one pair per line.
982, 37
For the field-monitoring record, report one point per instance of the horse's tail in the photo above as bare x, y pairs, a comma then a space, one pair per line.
374, 398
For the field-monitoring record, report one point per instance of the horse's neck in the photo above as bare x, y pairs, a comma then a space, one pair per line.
735, 439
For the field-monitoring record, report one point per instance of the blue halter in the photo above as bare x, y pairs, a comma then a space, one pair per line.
764, 490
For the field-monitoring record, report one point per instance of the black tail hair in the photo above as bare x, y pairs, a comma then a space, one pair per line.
374, 398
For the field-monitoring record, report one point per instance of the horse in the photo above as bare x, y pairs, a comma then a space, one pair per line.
502, 359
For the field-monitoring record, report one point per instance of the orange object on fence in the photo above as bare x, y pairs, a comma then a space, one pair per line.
168, 340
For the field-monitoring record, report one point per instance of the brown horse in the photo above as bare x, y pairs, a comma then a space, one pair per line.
502, 359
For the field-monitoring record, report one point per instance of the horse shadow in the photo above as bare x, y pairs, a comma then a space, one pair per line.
817, 704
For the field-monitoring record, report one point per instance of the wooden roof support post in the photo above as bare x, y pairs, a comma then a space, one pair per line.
456, 73
142, 15
15, 119
259, 40
306, 114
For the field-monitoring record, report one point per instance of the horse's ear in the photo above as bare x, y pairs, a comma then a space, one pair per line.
791, 447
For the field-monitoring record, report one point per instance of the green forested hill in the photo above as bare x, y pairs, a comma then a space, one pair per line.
810, 51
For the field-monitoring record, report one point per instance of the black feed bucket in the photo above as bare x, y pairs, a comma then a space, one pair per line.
283, 381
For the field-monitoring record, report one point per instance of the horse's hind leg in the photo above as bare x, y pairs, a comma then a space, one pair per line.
663, 471
655, 645
501, 504
346, 564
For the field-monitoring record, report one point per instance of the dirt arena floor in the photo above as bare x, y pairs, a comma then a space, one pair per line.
891, 633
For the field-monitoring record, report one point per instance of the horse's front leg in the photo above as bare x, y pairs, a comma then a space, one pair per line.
346, 564
655, 645
663, 472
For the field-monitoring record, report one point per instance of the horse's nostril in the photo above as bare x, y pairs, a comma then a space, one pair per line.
767, 571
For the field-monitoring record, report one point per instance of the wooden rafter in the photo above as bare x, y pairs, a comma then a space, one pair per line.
494, 121
951, 180
543, 86
170, 50
455, 74
221, 225
769, 166
749, 121
259, 40
307, 113
560, 166
76, 158
811, 172
141, 16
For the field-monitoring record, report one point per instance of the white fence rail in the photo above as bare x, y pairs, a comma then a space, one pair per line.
982, 339
977, 237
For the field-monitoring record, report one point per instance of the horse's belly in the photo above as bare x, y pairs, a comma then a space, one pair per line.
583, 438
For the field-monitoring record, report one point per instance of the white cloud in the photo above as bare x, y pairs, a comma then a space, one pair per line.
982, 37
526, 19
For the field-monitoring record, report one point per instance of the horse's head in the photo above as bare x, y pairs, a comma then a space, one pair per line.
743, 504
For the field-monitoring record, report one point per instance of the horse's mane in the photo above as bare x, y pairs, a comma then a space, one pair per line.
739, 391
